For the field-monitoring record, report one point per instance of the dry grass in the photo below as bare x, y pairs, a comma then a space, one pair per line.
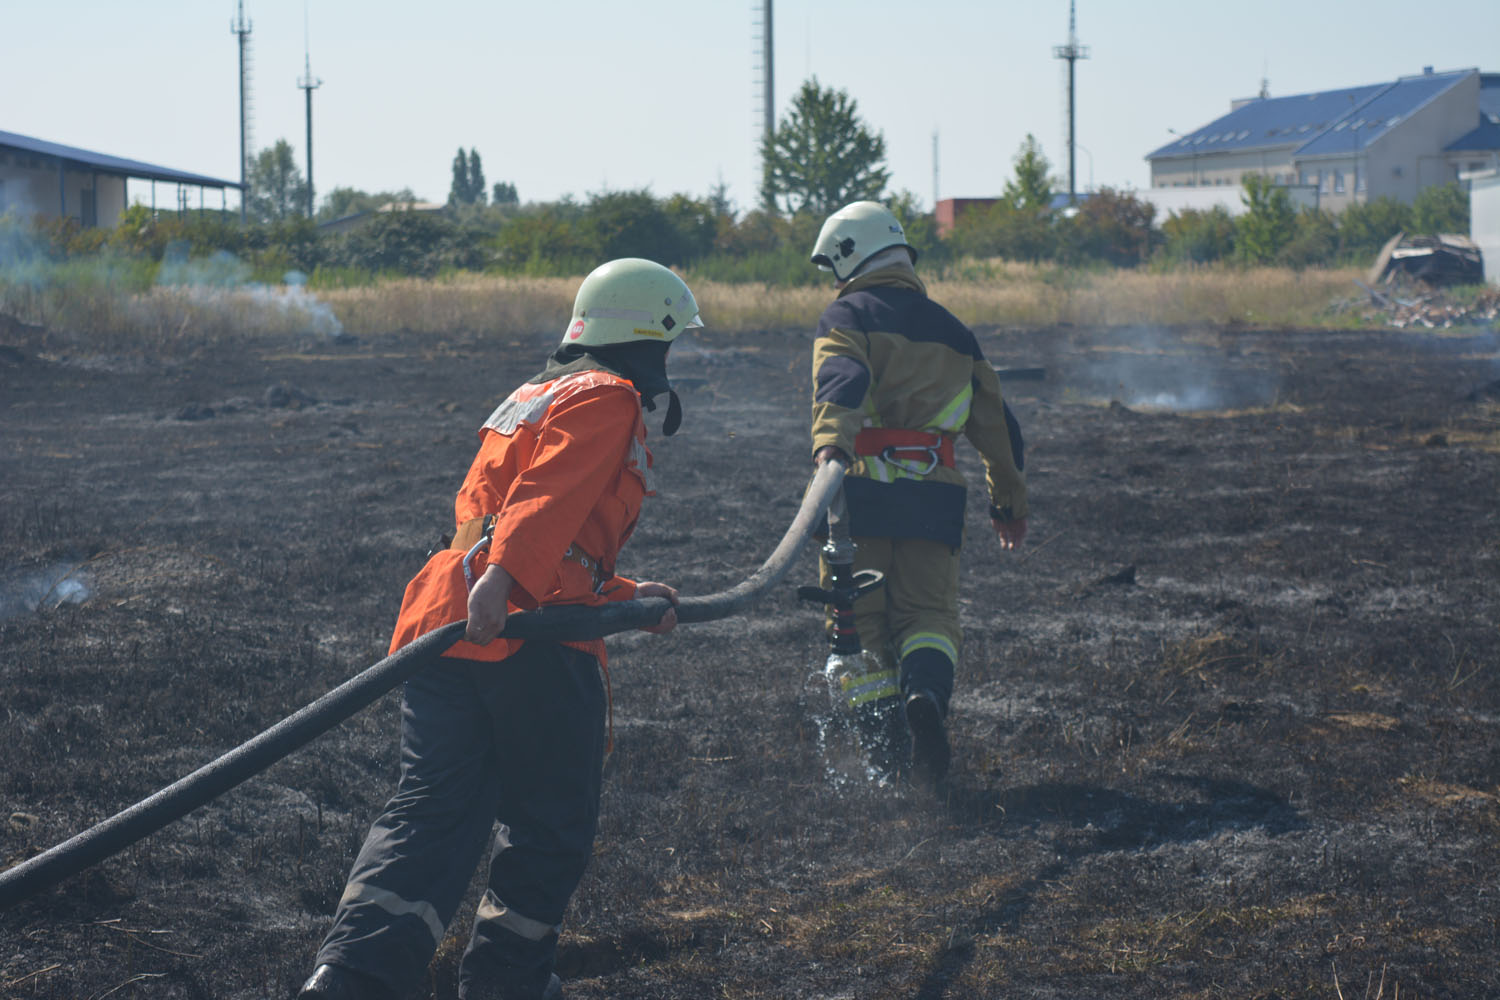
1027, 296
995, 293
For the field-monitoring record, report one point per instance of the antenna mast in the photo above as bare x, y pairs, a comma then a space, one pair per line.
768, 83
240, 27
308, 83
934, 169
1072, 52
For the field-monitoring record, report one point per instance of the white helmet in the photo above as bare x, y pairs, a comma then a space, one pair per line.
629, 300
854, 234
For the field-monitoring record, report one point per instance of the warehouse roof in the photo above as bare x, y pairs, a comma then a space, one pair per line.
110, 164
1327, 122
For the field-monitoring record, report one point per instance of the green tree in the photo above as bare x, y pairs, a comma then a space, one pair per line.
1031, 188
1365, 227
822, 155
277, 188
1314, 242
504, 194
346, 201
1002, 230
476, 189
1111, 226
467, 186
1197, 236
1269, 222
1442, 208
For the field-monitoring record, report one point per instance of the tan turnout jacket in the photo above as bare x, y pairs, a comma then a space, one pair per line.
888, 356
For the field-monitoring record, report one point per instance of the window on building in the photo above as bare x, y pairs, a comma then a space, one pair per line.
1359, 179
88, 208
1338, 182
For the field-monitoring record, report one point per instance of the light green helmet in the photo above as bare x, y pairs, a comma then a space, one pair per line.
629, 300
854, 234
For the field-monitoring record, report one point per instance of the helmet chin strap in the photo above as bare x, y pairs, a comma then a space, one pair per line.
674, 414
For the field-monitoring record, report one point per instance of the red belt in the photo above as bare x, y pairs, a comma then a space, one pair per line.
895, 445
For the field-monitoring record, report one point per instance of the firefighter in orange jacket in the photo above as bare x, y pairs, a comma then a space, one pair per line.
896, 378
505, 730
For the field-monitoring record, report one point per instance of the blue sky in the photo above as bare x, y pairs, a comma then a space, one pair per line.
563, 98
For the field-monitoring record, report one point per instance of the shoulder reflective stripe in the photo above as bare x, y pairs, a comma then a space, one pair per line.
929, 640
529, 404
956, 414
494, 910
868, 687
515, 411
640, 463
358, 892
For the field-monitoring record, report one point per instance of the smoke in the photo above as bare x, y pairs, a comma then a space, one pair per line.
296, 297
1149, 369
221, 283
49, 588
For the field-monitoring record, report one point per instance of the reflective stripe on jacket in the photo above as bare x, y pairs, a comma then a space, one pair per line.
560, 463
888, 356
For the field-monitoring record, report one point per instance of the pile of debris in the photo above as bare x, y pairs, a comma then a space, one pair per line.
1413, 303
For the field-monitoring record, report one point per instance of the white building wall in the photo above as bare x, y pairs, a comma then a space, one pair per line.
1410, 156
1484, 223
1231, 198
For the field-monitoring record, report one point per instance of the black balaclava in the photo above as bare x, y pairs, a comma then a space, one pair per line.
642, 362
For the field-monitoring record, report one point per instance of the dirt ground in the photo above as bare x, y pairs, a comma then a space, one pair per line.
1227, 726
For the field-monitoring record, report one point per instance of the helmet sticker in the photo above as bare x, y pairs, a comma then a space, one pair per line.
639, 332
576, 330
667, 322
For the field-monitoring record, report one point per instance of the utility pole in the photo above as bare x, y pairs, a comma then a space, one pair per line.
1072, 52
934, 169
308, 83
768, 82
240, 28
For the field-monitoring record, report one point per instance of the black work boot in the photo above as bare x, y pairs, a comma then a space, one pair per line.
929, 740
332, 982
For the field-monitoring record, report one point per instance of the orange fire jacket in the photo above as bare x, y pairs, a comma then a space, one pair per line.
563, 466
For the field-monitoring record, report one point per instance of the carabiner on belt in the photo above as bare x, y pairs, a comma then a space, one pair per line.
887, 454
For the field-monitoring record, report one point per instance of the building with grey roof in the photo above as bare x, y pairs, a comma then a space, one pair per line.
1349, 145
48, 179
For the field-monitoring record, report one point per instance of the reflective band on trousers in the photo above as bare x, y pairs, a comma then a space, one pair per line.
358, 892
868, 687
492, 909
929, 640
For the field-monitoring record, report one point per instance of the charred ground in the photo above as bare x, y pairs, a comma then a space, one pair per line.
1228, 726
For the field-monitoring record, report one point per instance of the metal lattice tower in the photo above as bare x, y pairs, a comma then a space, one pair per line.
1072, 52
934, 169
240, 28
765, 86
308, 83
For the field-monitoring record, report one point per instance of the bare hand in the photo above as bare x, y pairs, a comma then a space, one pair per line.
669, 620
1010, 533
488, 604
828, 453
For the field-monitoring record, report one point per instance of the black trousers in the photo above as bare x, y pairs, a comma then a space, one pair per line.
520, 742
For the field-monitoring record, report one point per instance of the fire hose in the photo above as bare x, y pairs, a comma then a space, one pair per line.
303, 726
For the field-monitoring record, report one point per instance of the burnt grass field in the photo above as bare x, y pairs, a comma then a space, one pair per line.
1227, 726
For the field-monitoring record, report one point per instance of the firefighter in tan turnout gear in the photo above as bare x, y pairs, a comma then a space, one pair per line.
896, 379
